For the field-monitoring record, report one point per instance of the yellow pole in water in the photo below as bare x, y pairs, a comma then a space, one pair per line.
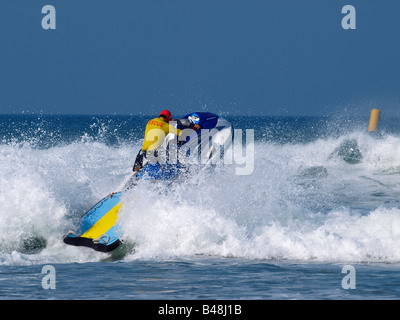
373, 121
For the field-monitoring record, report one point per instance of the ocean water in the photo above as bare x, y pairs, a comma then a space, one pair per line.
318, 217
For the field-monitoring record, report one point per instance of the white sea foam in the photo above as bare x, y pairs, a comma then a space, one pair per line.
316, 201
304, 201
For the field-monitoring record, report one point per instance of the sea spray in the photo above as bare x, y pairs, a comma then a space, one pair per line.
303, 201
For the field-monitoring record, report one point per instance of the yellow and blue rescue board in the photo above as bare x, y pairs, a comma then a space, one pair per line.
98, 228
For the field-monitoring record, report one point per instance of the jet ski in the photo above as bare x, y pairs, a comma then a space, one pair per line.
191, 147
98, 227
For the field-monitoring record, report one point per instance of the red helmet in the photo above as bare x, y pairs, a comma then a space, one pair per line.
167, 114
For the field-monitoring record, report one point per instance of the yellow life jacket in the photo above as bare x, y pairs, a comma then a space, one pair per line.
156, 131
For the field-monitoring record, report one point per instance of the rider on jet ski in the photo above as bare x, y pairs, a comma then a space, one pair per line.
150, 144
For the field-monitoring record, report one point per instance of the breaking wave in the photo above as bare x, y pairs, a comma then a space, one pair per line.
332, 198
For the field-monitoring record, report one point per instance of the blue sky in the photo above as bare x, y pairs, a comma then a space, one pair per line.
253, 57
